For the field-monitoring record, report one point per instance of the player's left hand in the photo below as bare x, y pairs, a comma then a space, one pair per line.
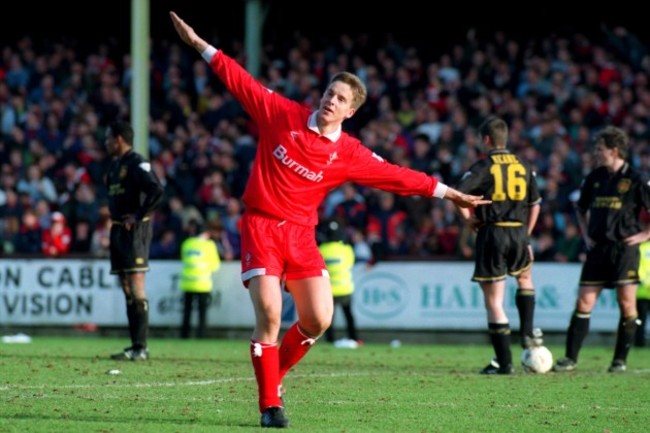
465, 200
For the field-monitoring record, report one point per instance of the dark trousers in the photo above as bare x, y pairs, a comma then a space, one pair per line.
202, 301
345, 302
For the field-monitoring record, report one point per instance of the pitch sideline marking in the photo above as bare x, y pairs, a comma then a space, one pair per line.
198, 382
170, 384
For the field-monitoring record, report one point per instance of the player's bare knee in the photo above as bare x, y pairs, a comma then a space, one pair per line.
315, 327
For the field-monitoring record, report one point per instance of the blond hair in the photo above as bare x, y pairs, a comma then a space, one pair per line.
359, 92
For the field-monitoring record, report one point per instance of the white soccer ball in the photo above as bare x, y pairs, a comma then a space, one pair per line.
537, 359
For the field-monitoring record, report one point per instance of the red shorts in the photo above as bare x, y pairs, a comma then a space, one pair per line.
270, 246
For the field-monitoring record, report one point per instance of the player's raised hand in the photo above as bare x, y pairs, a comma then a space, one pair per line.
187, 33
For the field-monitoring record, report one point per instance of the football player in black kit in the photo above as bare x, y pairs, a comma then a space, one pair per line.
502, 242
134, 192
611, 199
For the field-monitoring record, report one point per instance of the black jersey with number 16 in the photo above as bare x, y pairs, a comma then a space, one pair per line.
506, 180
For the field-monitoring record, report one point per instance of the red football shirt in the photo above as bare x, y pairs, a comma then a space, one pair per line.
295, 166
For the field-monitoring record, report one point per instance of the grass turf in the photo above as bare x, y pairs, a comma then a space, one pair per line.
60, 384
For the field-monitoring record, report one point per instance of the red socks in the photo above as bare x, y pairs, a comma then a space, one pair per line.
266, 364
295, 346
271, 364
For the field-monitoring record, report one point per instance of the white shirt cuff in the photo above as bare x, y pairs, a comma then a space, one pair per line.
209, 53
440, 191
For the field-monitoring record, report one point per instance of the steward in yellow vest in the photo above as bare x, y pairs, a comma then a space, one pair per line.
643, 293
339, 259
200, 260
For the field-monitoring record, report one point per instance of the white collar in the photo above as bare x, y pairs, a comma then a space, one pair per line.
313, 125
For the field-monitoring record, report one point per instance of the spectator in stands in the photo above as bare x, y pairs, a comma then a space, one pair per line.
352, 209
231, 222
30, 237
37, 186
9, 229
386, 229
166, 246
220, 236
101, 235
57, 238
82, 237
43, 212
569, 246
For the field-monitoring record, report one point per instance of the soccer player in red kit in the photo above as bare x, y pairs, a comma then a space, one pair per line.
301, 156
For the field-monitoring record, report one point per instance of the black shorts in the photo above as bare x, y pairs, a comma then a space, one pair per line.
610, 264
501, 251
130, 248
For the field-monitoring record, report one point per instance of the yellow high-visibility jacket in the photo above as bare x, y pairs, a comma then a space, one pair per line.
339, 259
644, 271
200, 260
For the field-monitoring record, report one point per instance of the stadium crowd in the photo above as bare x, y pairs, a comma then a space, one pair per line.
422, 111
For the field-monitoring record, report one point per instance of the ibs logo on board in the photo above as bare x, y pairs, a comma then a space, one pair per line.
381, 295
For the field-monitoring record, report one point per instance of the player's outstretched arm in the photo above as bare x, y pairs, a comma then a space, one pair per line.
465, 200
187, 33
